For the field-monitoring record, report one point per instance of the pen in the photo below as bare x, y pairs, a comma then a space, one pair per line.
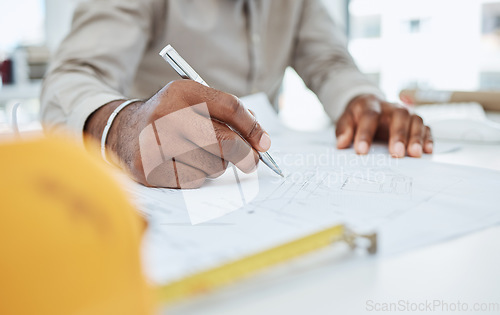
187, 72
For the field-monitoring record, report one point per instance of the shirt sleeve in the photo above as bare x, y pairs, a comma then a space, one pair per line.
96, 62
322, 60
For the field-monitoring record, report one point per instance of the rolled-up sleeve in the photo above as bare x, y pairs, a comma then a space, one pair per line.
96, 62
322, 60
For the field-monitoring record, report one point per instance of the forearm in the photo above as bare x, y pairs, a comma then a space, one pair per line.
322, 60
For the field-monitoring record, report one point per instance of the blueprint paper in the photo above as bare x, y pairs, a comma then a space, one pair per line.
409, 202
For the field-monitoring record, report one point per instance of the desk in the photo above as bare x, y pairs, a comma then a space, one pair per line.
465, 270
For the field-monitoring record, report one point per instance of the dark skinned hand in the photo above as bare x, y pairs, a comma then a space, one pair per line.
367, 118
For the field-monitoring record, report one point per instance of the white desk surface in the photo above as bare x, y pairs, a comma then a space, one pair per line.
336, 281
462, 270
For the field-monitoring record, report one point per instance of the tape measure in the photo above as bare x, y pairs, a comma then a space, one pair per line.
228, 273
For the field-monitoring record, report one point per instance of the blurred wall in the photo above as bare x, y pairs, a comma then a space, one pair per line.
58, 18
337, 8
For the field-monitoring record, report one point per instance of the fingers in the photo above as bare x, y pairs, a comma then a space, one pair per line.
345, 131
175, 174
218, 140
235, 150
365, 131
359, 123
416, 136
200, 158
160, 153
428, 142
229, 110
398, 132
366, 118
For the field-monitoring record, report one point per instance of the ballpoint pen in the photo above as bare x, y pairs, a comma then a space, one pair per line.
187, 72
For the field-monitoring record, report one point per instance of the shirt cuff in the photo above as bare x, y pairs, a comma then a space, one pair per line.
81, 112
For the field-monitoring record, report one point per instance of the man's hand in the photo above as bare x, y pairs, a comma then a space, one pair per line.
180, 137
367, 118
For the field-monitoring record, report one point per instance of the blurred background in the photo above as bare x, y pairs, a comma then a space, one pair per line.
426, 44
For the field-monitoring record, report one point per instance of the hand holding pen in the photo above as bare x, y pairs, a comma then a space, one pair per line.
187, 72
184, 134
176, 139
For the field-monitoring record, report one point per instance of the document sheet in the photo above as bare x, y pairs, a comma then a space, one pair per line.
408, 202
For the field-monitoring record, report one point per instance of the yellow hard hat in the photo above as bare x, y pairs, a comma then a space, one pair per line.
69, 239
